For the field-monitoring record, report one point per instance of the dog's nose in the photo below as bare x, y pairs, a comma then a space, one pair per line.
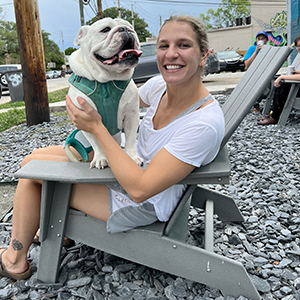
122, 29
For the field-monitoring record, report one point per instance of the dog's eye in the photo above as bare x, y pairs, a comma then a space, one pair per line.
106, 29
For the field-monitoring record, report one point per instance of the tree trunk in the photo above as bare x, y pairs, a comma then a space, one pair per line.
32, 60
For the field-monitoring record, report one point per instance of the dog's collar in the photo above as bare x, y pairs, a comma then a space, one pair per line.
105, 95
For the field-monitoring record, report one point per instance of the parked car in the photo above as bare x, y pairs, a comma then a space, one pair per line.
57, 74
212, 64
69, 71
231, 61
147, 66
52, 74
3, 82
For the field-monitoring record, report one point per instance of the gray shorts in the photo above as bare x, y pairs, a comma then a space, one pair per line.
126, 214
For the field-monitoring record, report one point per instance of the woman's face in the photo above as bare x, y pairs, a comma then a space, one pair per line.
178, 54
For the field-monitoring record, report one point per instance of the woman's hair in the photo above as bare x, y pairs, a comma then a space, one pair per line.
196, 25
297, 39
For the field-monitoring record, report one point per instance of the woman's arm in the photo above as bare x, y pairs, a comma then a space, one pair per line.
278, 81
163, 171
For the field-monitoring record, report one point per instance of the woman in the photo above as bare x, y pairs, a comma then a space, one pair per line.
183, 129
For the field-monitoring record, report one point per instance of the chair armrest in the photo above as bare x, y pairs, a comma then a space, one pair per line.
217, 171
291, 81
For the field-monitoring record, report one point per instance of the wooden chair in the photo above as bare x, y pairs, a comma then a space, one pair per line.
160, 245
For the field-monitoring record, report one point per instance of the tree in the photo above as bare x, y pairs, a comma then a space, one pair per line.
9, 46
139, 24
229, 10
205, 19
70, 50
51, 51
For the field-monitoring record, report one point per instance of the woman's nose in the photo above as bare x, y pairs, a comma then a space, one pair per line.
172, 52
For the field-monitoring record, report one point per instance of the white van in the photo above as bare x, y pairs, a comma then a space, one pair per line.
3, 82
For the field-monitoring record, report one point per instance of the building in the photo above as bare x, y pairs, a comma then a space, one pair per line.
270, 16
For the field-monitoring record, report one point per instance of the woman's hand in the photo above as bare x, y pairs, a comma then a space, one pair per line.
277, 82
87, 118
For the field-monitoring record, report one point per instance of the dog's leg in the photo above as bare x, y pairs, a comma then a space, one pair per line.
99, 160
128, 116
131, 123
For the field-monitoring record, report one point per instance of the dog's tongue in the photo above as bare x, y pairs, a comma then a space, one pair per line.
124, 53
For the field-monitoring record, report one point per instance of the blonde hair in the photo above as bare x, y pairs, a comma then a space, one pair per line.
196, 25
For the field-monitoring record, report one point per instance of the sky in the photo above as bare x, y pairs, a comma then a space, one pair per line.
61, 18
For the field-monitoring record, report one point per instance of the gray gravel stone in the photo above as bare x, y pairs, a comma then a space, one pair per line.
264, 183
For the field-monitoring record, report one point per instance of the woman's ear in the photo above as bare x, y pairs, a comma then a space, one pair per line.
204, 58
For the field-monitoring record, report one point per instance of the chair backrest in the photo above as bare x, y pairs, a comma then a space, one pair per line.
296, 62
252, 85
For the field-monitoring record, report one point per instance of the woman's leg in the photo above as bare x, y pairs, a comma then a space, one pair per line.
26, 215
89, 198
92, 199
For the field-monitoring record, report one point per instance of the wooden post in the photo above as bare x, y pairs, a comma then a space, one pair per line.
100, 12
32, 60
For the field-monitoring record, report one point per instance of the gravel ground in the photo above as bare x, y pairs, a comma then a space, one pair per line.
264, 183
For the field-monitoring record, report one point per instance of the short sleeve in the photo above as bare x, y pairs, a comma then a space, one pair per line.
196, 143
151, 88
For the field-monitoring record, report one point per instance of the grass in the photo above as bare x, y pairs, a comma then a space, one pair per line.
17, 114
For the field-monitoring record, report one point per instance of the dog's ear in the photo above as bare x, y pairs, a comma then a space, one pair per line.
81, 33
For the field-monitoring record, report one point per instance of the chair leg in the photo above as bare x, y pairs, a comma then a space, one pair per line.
209, 226
54, 211
288, 104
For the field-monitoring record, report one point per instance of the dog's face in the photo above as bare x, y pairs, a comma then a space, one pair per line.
111, 44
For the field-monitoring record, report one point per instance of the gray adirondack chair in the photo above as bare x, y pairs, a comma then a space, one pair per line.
160, 245
292, 102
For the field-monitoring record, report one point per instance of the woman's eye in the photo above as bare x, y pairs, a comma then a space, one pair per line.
162, 46
185, 46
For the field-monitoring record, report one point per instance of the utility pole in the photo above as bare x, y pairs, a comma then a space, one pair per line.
119, 8
81, 12
63, 45
100, 12
33, 62
132, 16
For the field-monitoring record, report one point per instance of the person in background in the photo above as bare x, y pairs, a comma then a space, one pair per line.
261, 39
281, 93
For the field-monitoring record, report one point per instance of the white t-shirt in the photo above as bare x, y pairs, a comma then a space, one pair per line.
193, 138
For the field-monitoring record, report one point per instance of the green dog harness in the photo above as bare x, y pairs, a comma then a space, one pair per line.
106, 97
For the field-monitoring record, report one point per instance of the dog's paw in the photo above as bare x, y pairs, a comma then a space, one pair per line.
138, 160
100, 163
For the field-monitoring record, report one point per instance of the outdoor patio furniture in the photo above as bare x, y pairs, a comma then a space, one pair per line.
160, 245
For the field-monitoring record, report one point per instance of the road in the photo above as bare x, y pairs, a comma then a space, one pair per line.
52, 85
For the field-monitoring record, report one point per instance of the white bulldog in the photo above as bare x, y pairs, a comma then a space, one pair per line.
103, 66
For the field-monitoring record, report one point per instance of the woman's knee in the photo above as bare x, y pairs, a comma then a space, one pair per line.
27, 159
